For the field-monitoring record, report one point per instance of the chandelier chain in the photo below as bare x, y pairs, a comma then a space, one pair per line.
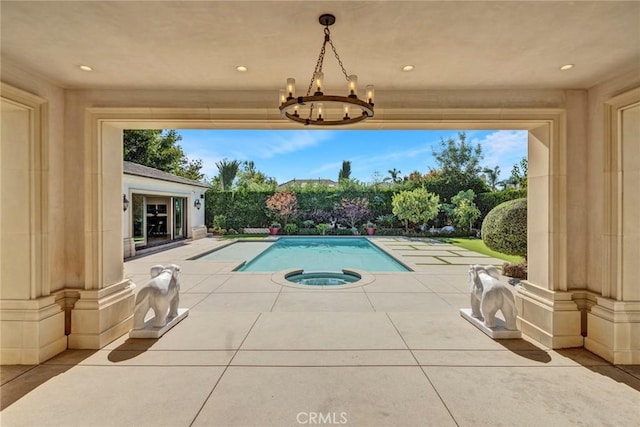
346, 76
318, 67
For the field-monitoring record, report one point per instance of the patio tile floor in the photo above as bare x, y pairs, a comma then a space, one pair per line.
254, 353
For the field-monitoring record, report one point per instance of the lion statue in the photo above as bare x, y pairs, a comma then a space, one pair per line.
488, 296
161, 294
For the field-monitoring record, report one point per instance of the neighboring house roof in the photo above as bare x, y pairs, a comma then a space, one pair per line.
130, 168
303, 182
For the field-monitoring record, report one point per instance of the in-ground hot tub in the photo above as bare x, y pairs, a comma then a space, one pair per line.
320, 278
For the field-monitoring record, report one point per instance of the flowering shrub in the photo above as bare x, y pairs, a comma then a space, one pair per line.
353, 210
283, 206
319, 215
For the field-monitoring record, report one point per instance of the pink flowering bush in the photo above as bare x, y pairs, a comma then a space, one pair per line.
283, 206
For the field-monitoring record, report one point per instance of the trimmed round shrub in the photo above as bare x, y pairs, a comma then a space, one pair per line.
504, 229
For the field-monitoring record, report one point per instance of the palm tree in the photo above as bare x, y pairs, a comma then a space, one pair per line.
345, 172
227, 171
395, 175
491, 176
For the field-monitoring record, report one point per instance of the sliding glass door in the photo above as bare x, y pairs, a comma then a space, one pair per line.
139, 220
178, 218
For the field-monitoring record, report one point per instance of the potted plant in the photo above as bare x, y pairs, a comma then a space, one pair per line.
274, 228
371, 228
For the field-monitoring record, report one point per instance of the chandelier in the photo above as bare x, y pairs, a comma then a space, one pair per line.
320, 109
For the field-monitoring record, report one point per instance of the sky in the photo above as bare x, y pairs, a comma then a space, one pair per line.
311, 154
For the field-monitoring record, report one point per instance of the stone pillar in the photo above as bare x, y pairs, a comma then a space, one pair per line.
546, 310
128, 247
198, 232
104, 310
613, 323
31, 322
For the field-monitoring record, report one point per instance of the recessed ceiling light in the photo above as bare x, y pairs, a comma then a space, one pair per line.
408, 68
85, 68
566, 67
241, 68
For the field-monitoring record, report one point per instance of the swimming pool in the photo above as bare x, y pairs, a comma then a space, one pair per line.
331, 254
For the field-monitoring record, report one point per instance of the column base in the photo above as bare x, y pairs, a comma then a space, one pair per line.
198, 232
128, 247
550, 317
614, 331
31, 331
101, 316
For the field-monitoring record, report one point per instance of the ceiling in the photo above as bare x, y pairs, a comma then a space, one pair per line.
196, 45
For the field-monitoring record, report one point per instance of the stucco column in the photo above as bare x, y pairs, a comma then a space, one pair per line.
31, 322
613, 324
546, 311
104, 310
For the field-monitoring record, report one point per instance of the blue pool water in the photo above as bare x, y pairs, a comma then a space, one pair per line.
323, 254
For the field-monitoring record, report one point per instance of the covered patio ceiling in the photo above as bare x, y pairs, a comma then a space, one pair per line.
197, 45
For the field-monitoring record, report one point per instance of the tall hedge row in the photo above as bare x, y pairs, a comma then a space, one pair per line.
487, 201
248, 208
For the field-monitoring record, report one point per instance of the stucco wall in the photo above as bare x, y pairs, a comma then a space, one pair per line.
597, 96
55, 157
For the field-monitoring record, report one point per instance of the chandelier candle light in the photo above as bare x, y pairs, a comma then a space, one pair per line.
353, 109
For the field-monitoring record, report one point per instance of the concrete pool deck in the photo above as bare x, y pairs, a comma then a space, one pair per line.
251, 352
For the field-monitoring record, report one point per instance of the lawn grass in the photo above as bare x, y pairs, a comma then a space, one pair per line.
477, 245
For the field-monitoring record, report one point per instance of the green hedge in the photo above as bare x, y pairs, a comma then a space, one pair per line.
487, 201
505, 228
248, 208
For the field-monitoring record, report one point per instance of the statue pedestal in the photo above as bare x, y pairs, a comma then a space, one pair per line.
497, 333
150, 332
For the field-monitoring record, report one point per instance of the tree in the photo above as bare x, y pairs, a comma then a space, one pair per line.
283, 205
519, 173
227, 171
416, 206
159, 149
491, 176
465, 211
416, 178
458, 157
345, 172
353, 210
191, 169
251, 179
394, 174
447, 186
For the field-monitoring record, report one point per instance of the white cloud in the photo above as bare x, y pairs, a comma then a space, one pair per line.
503, 148
264, 145
332, 166
209, 160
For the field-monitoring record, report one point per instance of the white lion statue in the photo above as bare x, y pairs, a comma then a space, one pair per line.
488, 296
161, 294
